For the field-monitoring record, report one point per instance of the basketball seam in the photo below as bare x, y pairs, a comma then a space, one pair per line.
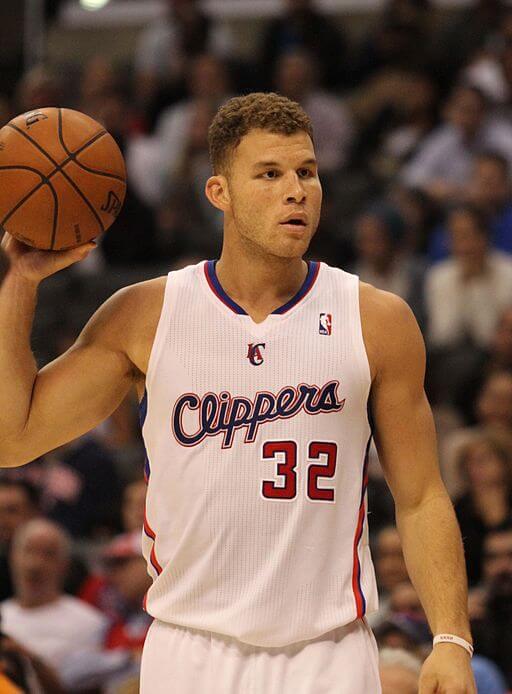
68, 178
72, 155
44, 181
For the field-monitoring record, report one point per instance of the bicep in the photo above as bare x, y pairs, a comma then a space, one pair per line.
403, 423
78, 390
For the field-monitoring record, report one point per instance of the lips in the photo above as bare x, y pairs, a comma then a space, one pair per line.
298, 221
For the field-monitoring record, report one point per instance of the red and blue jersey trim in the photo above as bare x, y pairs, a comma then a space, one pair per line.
217, 289
143, 411
357, 589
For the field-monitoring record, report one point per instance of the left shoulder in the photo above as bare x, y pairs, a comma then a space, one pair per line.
390, 331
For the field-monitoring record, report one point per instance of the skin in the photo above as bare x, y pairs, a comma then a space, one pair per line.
16, 508
261, 267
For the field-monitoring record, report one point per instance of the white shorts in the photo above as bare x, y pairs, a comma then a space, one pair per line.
179, 660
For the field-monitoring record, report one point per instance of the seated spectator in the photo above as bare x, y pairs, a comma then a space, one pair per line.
133, 506
19, 503
443, 164
466, 294
296, 77
62, 630
491, 630
492, 412
389, 560
381, 256
399, 671
155, 162
166, 48
485, 466
399, 40
489, 190
302, 26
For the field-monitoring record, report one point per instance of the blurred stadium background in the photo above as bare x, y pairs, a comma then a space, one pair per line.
411, 102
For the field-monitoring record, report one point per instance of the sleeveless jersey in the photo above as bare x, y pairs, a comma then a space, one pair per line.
257, 442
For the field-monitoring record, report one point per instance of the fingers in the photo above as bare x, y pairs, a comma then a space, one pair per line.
428, 685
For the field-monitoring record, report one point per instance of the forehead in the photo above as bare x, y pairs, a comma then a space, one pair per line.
262, 145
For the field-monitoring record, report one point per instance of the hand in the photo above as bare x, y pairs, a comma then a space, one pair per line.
34, 265
447, 670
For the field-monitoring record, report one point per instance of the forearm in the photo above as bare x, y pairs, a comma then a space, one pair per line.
18, 368
434, 557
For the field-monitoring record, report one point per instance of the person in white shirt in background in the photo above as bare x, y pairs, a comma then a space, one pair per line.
63, 631
466, 294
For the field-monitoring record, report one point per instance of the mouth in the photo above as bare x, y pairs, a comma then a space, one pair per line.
294, 223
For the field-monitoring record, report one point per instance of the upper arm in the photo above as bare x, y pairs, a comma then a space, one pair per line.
403, 424
79, 389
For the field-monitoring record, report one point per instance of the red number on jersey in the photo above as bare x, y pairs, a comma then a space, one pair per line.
316, 449
285, 467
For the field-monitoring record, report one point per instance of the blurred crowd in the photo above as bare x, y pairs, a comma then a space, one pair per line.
413, 133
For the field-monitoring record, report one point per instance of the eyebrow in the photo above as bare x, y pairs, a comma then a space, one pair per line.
262, 164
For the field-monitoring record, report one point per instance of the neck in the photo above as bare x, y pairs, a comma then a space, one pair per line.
40, 600
258, 282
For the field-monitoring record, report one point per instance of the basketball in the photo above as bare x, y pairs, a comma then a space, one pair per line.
62, 178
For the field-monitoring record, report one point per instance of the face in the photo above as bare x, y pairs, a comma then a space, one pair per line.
389, 562
294, 75
397, 679
494, 406
498, 556
208, 78
489, 184
130, 578
468, 243
404, 600
502, 340
484, 466
134, 500
272, 195
39, 565
466, 111
372, 240
15, 509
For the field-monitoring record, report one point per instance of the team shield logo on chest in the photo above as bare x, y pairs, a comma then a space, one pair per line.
255, 353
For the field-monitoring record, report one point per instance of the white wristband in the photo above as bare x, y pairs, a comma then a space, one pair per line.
450, 638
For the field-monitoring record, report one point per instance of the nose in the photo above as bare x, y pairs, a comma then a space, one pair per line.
295, 192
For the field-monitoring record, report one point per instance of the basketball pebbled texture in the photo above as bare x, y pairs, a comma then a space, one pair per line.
62, 178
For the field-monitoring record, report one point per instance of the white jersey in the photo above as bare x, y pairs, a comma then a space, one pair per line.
257, 438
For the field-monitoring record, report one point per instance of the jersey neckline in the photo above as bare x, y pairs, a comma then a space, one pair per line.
217, 289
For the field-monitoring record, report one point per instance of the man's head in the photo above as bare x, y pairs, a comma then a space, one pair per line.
265, 175
501, 345
489, 186
296, 74
19, 502
469, 235
399, 671
39, 561
389, 559
494, 402
125, 568
134, 501
466, 110
497, 561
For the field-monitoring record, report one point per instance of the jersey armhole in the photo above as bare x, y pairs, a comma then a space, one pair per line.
160, 334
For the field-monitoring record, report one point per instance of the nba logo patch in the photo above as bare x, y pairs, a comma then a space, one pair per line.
325, 324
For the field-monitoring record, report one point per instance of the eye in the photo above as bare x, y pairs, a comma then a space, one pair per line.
269, 175
305, 173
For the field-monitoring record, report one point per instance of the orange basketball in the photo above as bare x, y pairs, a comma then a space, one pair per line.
62, 178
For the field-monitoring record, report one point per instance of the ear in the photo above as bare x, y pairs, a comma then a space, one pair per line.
217, 192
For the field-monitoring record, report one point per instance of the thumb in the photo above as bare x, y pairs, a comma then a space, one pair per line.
63, 259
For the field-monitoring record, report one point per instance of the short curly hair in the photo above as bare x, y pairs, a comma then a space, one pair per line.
259, 110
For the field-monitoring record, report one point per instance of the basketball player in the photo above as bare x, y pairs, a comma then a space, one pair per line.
254, 374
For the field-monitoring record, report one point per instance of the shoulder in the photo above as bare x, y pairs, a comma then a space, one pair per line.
390, 331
